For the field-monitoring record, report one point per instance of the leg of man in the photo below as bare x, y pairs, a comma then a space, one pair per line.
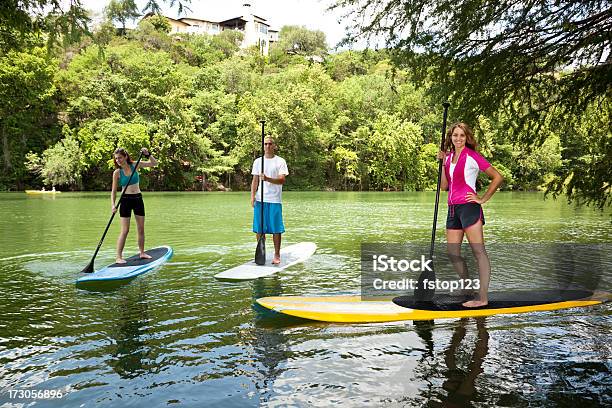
277, 245
257, 220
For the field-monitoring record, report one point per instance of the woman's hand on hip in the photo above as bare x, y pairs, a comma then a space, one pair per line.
474, 198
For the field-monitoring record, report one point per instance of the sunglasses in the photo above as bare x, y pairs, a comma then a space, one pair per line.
268, 144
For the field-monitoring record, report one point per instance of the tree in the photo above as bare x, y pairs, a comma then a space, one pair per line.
122, 11
27, 92
391, 154
103, 36
160, 23
19, 19
60, 165
228, 42
296, 104
302, 41
343, 65
346, 164
539, 61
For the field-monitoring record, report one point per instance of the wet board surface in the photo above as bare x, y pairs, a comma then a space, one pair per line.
351, 309
133, 267
290, 255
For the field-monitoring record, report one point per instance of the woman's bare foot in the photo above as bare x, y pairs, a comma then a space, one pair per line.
276, 260
120, 260
144, 255
475, 303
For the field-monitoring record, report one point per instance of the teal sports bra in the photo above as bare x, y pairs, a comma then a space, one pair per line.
123, 179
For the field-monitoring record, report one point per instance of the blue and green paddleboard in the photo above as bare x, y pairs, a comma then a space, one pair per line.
133, 267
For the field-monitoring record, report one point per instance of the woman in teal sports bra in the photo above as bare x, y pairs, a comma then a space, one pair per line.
132, 198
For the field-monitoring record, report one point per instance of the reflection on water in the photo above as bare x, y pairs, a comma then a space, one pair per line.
178, 336
128, 332
460, 383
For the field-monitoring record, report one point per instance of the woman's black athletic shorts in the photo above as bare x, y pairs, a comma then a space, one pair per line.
131, 202
462, 216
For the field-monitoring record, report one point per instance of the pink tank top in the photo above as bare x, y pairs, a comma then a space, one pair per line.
462, 178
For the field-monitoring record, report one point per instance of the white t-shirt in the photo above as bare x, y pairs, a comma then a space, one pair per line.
273, 168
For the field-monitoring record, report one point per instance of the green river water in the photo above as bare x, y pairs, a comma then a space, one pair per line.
178, 337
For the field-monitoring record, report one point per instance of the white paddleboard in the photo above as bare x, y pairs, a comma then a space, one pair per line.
133, 267
289, 256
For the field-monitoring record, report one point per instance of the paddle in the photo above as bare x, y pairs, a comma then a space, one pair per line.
260, 251
422, 294
90, 267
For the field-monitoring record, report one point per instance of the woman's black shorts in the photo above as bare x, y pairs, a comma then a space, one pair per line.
462, 216
131, 202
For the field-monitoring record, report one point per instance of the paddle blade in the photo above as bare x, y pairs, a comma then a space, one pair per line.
89, 268
423, 293
260, 251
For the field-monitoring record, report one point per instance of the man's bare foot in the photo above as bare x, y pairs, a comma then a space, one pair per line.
276, 260
475, 303
120, 260
144, 255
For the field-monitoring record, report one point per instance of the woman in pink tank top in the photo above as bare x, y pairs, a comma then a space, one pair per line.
462, 163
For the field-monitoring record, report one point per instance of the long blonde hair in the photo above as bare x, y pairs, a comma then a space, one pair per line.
470, 141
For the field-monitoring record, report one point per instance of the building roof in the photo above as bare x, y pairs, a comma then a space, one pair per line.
150, 14
234, 20
230, 20
197, 19
260, 20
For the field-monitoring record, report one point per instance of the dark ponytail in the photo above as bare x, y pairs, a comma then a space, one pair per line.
124, 153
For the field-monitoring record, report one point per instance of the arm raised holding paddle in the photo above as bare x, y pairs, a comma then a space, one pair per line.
129, 183
127, 176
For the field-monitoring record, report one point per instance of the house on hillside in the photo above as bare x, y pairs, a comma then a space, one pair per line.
256, 30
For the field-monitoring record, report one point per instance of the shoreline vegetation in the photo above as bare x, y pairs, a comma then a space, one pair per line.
354, 122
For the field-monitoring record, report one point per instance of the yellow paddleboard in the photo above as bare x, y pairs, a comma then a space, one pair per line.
42, 192
351, 309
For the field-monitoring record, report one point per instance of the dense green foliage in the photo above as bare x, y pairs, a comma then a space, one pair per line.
531, 65
353, 122
28, 112
295, 40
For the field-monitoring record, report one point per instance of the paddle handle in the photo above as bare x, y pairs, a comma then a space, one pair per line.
90, 266
263, 154
440, 162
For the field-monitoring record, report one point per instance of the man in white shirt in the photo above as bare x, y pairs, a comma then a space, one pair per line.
275, 171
